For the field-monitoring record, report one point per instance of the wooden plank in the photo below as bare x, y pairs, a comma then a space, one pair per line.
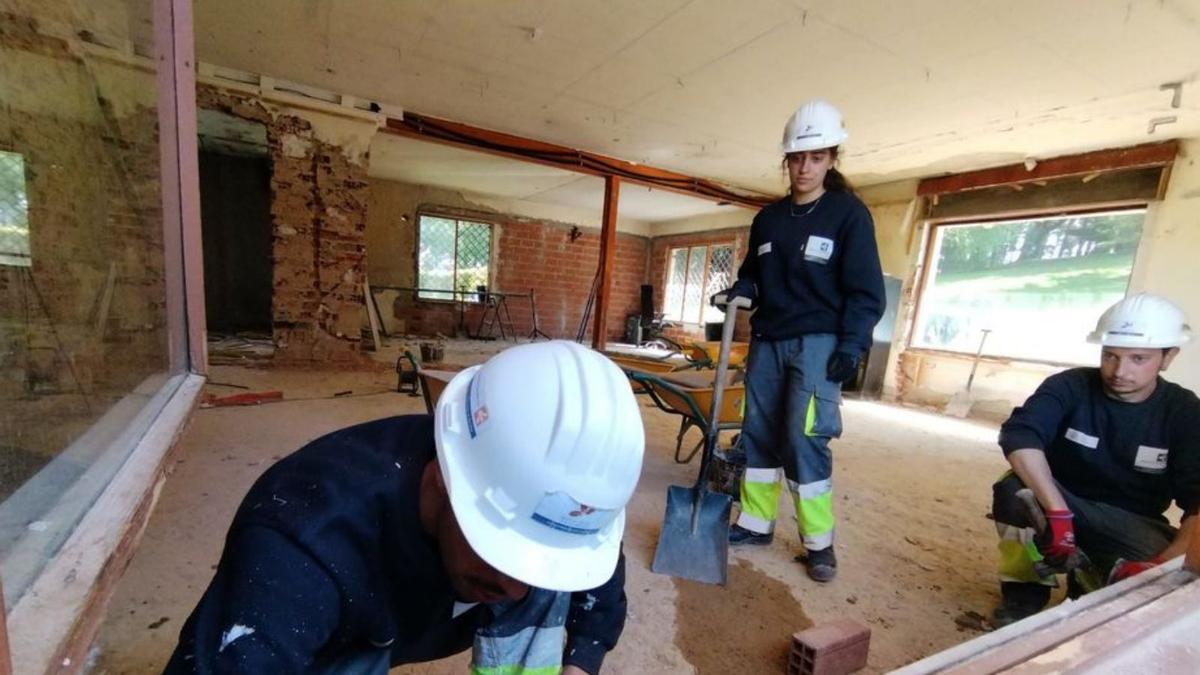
55, 622
1140, 156
460, 135
106, 296
372, 318
1024, 640
608, 250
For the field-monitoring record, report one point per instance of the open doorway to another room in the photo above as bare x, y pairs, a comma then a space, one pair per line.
235, 204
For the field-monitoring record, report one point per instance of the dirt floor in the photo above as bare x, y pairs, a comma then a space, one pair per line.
914, 544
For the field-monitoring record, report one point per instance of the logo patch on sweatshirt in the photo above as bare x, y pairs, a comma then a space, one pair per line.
1151, 460
818, 249
764, 249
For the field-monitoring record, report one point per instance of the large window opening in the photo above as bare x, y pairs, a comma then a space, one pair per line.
453, 255
1037, 284
694, 274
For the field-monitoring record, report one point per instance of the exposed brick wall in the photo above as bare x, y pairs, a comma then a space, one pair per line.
660, 250
93, 194
318, 211
531, 255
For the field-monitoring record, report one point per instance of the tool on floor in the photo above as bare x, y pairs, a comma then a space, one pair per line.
694, 541
1076, 561
407, 381
960, 404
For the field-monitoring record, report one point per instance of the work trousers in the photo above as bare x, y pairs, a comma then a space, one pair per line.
792, 411
1102, 531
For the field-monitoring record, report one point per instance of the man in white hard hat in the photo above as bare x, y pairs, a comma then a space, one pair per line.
1104, 451
812, 271
495, 523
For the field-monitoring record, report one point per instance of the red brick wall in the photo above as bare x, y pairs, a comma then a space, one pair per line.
660, 250
539, 256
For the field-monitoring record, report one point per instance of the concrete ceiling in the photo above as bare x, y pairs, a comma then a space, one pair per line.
704, 86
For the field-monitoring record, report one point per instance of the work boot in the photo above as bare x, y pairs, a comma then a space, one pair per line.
1019, 601
820, 564
739, 536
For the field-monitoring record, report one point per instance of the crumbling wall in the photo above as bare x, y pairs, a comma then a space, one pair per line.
319, 200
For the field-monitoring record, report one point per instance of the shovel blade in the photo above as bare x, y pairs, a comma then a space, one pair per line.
694, 542
960, 405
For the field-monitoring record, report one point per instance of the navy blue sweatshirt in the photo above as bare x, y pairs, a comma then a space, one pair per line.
1135, 456
814, 272
327, 557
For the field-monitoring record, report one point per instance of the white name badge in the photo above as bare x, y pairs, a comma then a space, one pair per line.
1151, 460
819, 249
764, 249
1082, 438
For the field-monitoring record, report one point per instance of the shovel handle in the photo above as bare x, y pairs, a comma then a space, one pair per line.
714, 420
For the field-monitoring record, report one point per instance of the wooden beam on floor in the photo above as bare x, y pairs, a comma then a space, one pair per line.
1140, 156
608, 252
425, 128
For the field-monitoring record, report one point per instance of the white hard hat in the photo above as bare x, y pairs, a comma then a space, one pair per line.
1142, 321
540, 449
814, 125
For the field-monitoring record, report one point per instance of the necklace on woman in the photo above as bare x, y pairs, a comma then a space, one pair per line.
805, 212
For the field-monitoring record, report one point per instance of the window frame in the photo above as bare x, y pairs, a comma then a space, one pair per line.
55, 622
708, 247
927, 263
469, 296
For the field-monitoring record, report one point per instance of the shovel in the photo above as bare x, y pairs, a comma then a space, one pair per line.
694, 541
960, 404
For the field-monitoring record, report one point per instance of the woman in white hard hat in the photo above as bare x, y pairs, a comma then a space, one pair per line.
1103, 451
812, 270
494, 523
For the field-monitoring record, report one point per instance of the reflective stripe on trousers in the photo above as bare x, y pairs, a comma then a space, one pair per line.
791, 414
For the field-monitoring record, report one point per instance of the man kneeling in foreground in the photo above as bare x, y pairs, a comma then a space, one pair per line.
496, 523
1104, 451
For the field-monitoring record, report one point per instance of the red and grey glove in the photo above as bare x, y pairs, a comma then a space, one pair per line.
1061, 528
1128, 568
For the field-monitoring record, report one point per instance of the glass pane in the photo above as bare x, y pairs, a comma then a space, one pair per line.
695, 281
14, 211
435, 262
676, 277
1039, 285
474, 256
83, 322
720, 277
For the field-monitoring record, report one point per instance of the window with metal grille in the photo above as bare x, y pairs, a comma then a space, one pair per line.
14, 211
453, 255
694, 274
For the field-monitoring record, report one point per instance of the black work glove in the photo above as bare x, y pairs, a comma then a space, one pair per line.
729, 294
841, 367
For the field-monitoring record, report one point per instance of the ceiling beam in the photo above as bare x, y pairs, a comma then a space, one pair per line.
422, 127
1136, 157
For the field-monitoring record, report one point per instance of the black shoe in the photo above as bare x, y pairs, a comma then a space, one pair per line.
740, 536
820, 564
1019, 601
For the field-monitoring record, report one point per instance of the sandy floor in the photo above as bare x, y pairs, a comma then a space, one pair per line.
914, 545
